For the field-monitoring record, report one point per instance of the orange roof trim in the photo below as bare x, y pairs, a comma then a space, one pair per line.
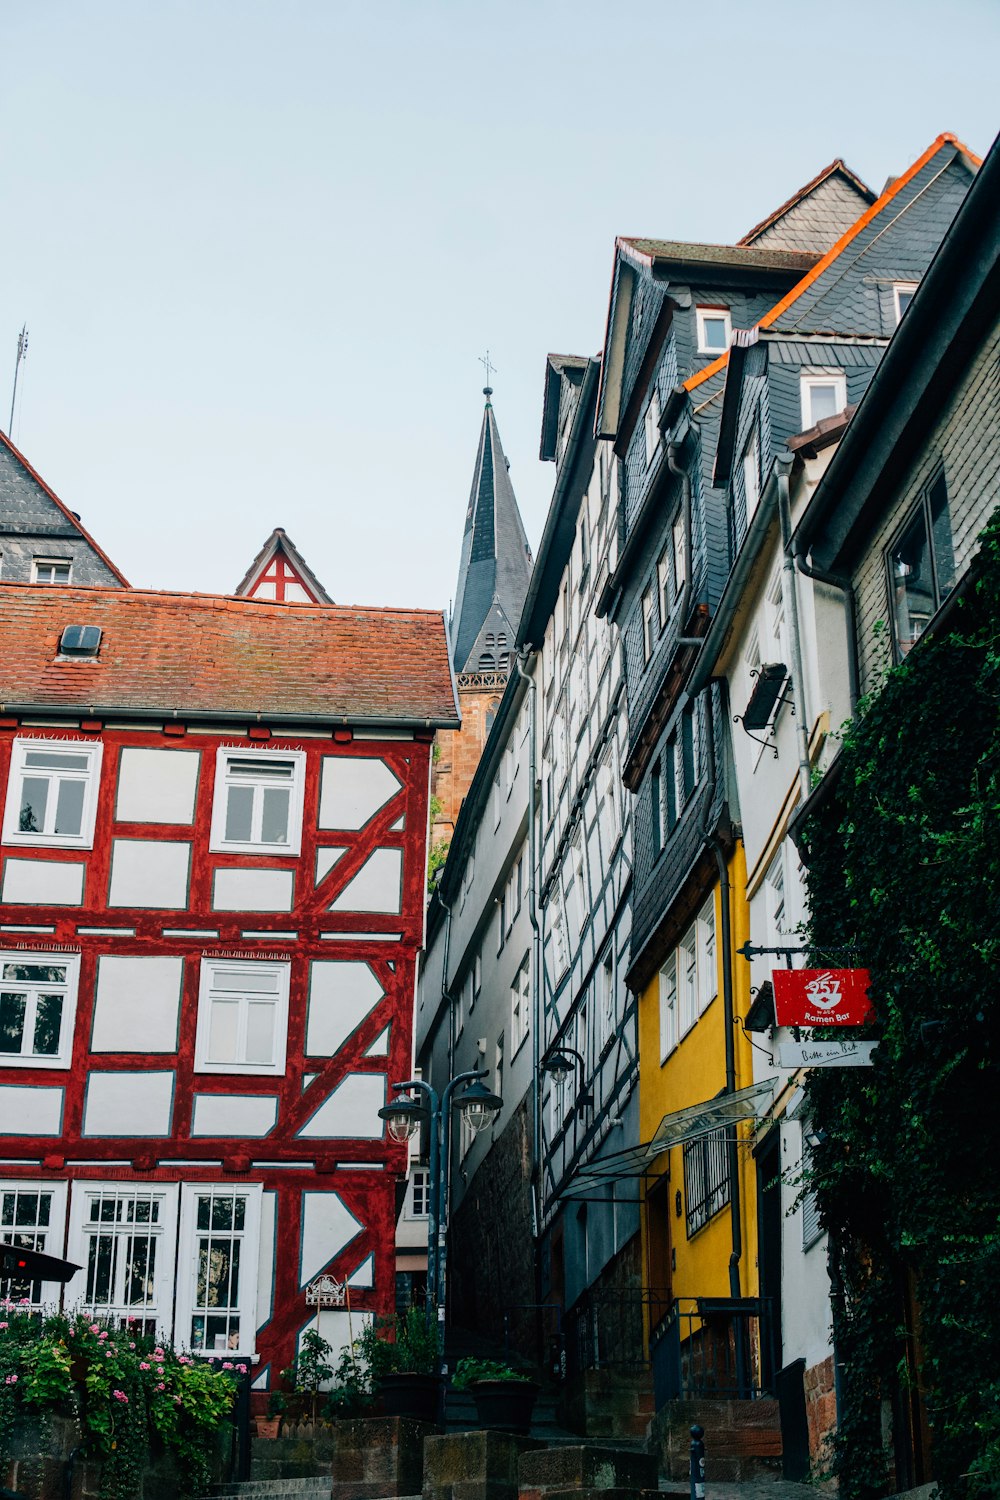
71, 518
771, 317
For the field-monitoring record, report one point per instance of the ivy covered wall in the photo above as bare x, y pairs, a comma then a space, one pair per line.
904, 868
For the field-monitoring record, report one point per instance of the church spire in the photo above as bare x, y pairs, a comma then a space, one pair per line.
495, 565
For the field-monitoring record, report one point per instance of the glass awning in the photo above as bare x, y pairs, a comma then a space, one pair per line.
681, 1125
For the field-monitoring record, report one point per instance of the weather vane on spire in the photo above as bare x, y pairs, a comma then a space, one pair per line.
490, 368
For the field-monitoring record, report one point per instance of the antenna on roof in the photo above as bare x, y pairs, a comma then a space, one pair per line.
490, 368
22, 349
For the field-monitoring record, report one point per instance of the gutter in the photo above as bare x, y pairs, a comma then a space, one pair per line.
230, 716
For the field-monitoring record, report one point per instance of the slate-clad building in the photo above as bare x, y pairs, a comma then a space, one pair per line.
41, 539
211, 900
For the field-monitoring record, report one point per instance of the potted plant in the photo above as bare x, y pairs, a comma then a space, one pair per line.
270, 1426
401, 1358
311, 1370
504, 1397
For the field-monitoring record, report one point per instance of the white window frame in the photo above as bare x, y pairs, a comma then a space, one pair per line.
713, 314
209, 968
91, 777
420, 1188
606, 1012
187, 1263
51, 1235
52, 562
520, 1007
71, 963
669, 1035
678, 542
649, 631
651, 425
162, 1308
808, 381
908, 290
751, 475
708, 970
218, 842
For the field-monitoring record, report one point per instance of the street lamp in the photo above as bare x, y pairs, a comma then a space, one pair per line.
404, 1117
563, 1062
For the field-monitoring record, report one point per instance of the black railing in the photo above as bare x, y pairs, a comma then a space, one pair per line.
719, 1348
609, 1329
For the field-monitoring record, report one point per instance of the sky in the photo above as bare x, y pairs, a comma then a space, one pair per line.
261, 245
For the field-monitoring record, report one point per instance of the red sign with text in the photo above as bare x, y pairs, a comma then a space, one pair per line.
821, 997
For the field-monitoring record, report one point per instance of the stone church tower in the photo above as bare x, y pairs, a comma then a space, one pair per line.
492, 583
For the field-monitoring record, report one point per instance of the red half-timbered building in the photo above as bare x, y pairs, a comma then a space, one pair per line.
211, 901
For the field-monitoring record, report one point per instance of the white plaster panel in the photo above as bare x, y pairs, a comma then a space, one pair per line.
378, 885
352, 789
30, 1111
265, 1263
341, 994
380, 1046
327, 1226
234, 1114
326, 858
252, 890
128, 1104
364, 1276
43, 882
351, 1111
148, 873
336, 1327
137, 1003
157, 786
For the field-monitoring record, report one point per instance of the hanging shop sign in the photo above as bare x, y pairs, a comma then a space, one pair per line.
845, 1054
821, 997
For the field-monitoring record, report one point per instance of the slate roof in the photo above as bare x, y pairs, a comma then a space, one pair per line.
496, 560
24, 495
280, 541
746, 257
814, 304
818, 214
210, 656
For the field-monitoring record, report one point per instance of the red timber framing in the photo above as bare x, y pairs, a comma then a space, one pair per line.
361, 1171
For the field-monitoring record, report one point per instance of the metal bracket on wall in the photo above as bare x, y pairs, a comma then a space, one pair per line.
764, 702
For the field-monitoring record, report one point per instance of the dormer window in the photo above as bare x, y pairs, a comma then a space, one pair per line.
824, 394
51, 569
715, 330
902, 295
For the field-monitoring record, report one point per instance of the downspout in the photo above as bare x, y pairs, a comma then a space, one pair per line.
446, 991
713, 843
789, 592
845, 586
536, 1008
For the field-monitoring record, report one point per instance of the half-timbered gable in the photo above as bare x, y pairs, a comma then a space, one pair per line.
280, 572
211, 900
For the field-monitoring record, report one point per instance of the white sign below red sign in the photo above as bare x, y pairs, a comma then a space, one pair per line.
845, 1054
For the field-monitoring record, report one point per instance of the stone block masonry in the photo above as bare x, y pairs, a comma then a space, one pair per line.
474, 1465
379, 1456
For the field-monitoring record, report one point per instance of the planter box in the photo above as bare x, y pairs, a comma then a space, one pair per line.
505, 1405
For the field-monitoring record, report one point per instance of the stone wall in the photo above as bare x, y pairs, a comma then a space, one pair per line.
821, 1414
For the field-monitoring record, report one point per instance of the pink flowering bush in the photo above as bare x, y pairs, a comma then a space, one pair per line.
128, 1395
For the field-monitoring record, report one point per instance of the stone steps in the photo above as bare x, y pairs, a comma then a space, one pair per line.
275, 1489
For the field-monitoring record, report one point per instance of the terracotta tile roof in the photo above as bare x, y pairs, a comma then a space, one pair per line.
201, 655
841, 245
71, 517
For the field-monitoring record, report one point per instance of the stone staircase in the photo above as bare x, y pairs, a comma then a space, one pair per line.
277, 1489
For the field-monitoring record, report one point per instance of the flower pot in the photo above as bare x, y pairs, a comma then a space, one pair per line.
267, 1427
504, 1405
409, 1395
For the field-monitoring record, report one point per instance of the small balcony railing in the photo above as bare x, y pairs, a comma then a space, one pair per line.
714, 1348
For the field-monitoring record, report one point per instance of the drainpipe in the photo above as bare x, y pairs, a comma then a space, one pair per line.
712, 842
837, 581
445, 990
789, 592
536, 1008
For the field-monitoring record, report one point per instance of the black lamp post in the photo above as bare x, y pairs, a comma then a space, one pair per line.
404, 1117
562, 1062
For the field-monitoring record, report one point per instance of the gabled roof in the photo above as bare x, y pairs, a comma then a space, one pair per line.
279, 542
953, 311
558, 369
784, 311
209, 656
74, 521
496, 561
812, 204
